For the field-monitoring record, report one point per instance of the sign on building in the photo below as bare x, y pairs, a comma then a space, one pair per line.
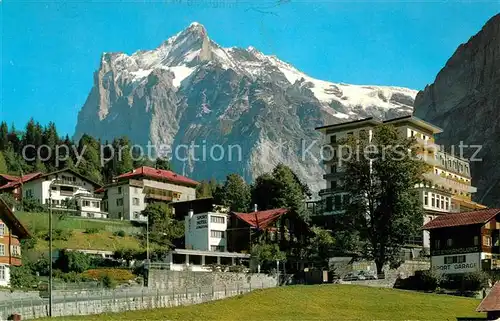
201, 221
458, 263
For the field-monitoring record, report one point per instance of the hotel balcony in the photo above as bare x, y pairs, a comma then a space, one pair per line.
90, 196
428, 144
158, 197
331, 191
449, 183
335, 175
429, 159
65, 182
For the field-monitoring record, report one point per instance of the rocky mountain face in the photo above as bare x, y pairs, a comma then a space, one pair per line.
259, 109
465, 101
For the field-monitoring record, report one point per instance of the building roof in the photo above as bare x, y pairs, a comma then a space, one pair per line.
158, 174
9, 177
261, 219
18, 181
492, 301
417, 121
12, 222
369, 120
74, 173
461, 219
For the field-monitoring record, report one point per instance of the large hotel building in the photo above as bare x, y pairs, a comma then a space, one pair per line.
448, 188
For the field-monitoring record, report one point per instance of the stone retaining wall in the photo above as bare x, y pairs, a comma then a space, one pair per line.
80, 305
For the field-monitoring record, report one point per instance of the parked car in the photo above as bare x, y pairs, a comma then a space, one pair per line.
353, 276
368, 275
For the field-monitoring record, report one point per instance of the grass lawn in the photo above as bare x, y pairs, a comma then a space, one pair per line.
320, 302
38, 224
99, 241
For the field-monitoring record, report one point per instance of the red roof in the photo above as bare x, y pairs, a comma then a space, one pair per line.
9, 177
18, 181
464, 218
159, 174
492, 301
12, 222
261, 219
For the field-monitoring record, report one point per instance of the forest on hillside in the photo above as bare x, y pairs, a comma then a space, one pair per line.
38, 148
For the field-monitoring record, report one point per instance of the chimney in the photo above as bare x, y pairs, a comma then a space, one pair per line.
255, 209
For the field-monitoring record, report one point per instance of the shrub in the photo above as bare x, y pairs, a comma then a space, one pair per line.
22, 277
59, 235
92, 230
28, 244
32, 205
41, 266
9, 200
120, 233
72, 261
427, 280
118, 275
473, 281
108, 282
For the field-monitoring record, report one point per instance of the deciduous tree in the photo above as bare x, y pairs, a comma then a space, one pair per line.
381, 178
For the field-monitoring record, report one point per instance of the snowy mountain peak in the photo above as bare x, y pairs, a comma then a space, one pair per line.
190, 88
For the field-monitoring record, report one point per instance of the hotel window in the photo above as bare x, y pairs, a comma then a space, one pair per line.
437, 202
16, 250
119, 190
338, 202
217, 219
2, 249
2, 272
426, 198
2, 229
333, 139
119, 202
487, 240
135, 201
447, 203
217, 234
29, 193
216, 248
136, 215
454, 259
449, 242
96, 204
476, 240
333, 184
437, 244
329, 204
86, 203
433, 200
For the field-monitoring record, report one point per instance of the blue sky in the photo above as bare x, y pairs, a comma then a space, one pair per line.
50, 50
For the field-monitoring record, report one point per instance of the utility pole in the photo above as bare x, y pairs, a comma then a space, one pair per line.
147, 239
50, 249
